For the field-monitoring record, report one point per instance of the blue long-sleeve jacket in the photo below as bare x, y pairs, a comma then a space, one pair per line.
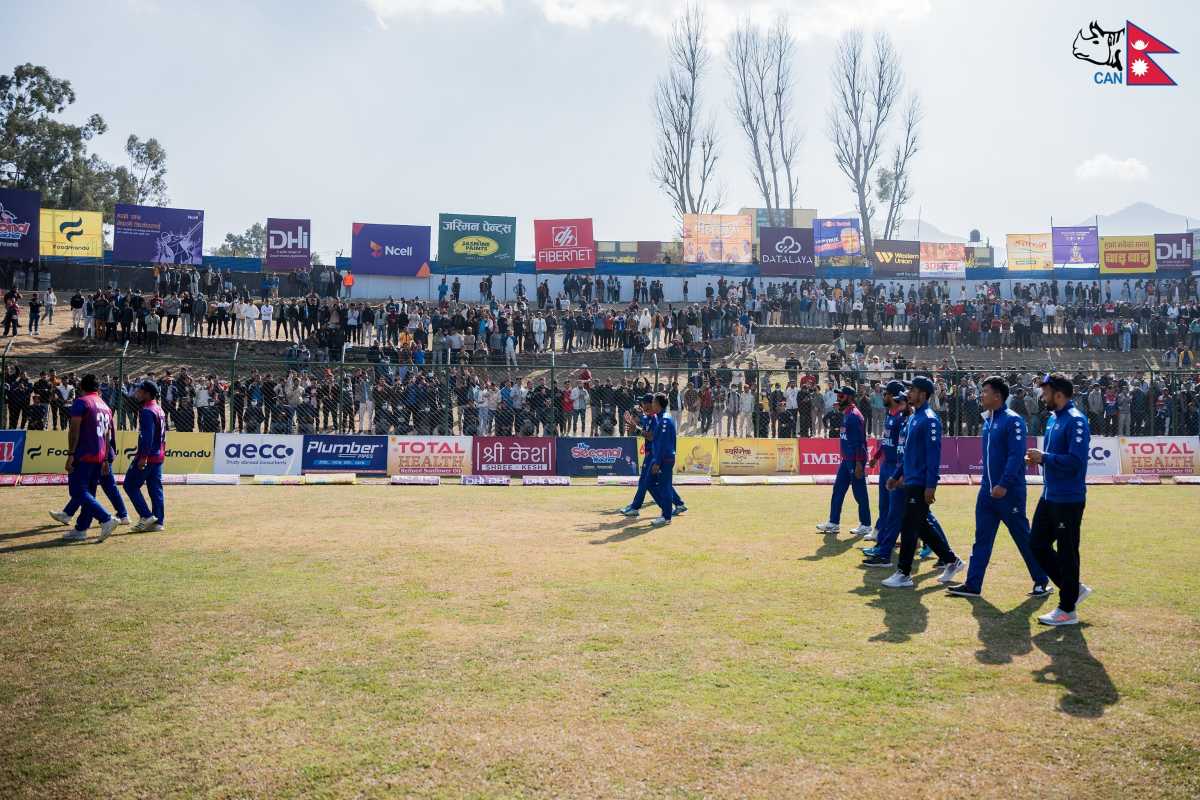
854, 436
887, 449
1004, 446
152, 434
662, 446
1064, 464
922, 455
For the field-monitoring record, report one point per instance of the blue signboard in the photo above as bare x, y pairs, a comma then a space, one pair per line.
390, 249
12, 452
20, 216
328, 453
589, 457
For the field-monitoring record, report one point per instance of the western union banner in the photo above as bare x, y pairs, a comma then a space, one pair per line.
73, 234
756, 456
1124, 255
694, 455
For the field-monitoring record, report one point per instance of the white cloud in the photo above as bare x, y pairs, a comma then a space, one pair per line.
387, 9
1102, 166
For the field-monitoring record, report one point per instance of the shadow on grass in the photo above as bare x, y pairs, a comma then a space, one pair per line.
628, 531
49, 526
1003, 634
832, 546
1089, 688
45, 544
904, 615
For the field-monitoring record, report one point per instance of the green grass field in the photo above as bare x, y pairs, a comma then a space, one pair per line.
377, 641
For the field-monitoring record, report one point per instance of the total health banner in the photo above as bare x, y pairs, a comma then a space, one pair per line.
429, 455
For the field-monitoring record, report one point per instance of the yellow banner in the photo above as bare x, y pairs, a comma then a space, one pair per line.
77, 234
1124, 255
756, 456
694, 455
45, 451
718, 238
1028, 252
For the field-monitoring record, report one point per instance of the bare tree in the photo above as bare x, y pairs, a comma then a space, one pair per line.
865, 95
686, 148
892, 182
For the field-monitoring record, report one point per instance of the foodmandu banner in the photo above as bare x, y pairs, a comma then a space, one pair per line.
288, 244
787, 252
1126, 255
401, 250
158, 235
1029, 252
756, 456
72, 234
942, 260
588, 457
471, 240
20, 214
186, 452
1160, 455
1173, 252
979, 257
838, 242
896, 259
564, 244
718, 238
1076, 246
429, 455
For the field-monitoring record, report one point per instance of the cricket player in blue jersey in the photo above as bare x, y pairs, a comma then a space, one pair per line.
645, 426
852, 473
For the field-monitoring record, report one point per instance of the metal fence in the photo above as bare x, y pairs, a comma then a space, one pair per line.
284, 396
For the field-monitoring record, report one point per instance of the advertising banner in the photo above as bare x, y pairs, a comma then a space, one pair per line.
256, 454
589, 457
20, 215
718, 238
1160, 455
787, 252
12, 452
896, 259
968, 455
659, 252
45, 451
1076, 246
694, 455
513, 455
838, 242
564, 244
1173, 252
332, 453
942, 260
158, 235
390, 249
288, 244
186, 452
756, 456
1126, 255
1105, 456
824, 456
616, 252
72, 234
429, 455
1029, 252
979, 257
471, 240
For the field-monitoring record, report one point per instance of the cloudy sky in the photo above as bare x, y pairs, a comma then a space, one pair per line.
393, 110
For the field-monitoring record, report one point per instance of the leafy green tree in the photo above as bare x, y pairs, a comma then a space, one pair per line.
251, 244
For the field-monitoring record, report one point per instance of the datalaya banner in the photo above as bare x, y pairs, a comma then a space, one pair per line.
329, 453
20, 213
564, 244
72, 234
429, 455
718, 238
470, 240
1173, 252
896, 259
942, 260
979, 257
1076, 246
288, 244
513, 455
1029, 252
786, 252
589, 457
1160, 455
401, 250
257, 454
694, 455
756, 456
158, 235
12, 452
1126, 255
838, 242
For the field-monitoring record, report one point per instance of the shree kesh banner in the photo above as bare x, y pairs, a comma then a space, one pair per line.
72, 234
564, 244
401, 250
156, 235
1076, 246
19, 219
718, 238
1030, 252
1126, 255
471, 240
838, 242
942, 260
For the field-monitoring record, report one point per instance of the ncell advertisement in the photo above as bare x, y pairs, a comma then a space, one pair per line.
471, 240
513, 455
589, 457
786, 252
72, 234
329, 453
896, 259
429, 455
401, 250
158, 235
838, 242
19, 214
718, 238
564, 244
289, 244
257, 454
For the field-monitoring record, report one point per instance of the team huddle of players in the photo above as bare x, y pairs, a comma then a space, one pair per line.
909, 457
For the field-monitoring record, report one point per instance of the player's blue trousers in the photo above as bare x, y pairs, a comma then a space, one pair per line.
662, 491
644, 480
989, 513
846, 480
82, 483
109, 484
886, 537
151, 477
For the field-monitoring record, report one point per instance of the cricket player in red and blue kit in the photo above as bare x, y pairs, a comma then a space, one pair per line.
108, 483
147, 464
88, 442
852, 473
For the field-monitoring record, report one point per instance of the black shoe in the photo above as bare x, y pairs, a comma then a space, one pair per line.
1041, 590
877, 561
962, 590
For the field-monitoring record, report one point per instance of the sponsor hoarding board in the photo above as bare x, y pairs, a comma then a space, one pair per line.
12, 451
332, 453
472, 240
1126, 255
72, 234
617, 252
20, 218
838, 242
823, 456
289, 244
694, 455
968, 455
1030, 252
563, 244
787, 252
187, 452
1105, 456
1076, 246
1173, 252
979, 257
45, 451
401, 250
512, 455
257, 454
718, 238
942, 260
1160, 455
429, 455
756, 456
896, 259
158, 235
591, 457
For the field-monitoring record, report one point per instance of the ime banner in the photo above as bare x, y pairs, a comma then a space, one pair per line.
564, 244
20, 213
288, 244
401, 250
154, 235
786, 252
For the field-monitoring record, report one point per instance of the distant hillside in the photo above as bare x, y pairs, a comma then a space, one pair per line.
908, 230
1142, 218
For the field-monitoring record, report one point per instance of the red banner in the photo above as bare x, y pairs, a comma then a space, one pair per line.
824, 456
564, 244
512, 455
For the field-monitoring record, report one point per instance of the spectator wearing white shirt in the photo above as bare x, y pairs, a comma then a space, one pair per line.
266, 314
251, 312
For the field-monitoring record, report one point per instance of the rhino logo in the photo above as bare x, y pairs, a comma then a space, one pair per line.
1098, 46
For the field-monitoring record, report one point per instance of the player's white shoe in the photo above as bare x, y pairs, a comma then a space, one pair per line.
658, 522
863, 530
679, 509
828, 527
60, 517
143, 524
122, 520
1059, 617
898, 581
1085, 592
106, 529
951, 570
871, 536
74, 536
629, 512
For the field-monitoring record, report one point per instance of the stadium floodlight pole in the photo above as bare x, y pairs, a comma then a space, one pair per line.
121, 381
4, 372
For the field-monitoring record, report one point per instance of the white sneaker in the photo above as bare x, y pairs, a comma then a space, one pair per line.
951, 571
143, 524
679, 510
630, 512
898, 581
153, 527
863, 530
828, 527
106, 529
74, 536
122, 520
1085, 592
1059, 617
658, 522
60, 517
873, 536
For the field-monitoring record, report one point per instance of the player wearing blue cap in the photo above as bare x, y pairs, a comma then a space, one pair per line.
645, 426
662, 461
88, 442
852, 472
107, 482
146, 467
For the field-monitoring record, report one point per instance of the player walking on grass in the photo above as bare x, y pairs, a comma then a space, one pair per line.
852, 473
108, 482
662, 461
1063, 459
645, 428
87, 443
1001, 492
146, 468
